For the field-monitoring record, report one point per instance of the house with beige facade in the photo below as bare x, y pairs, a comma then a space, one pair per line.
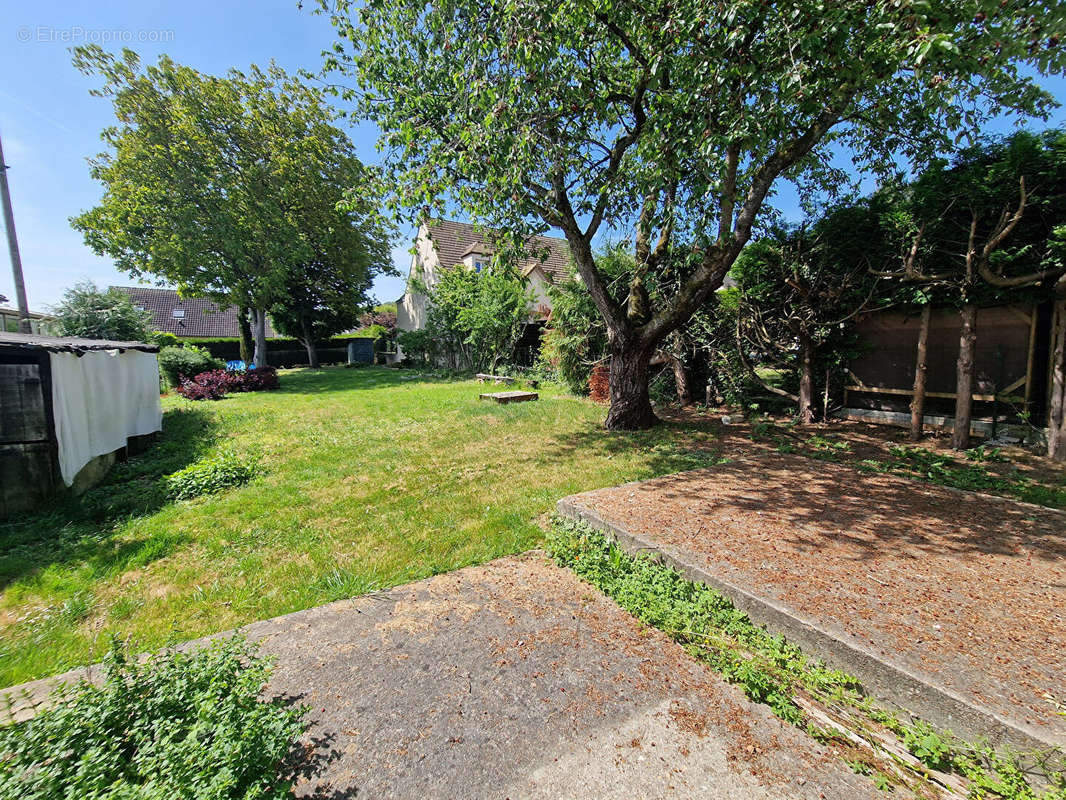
443, 244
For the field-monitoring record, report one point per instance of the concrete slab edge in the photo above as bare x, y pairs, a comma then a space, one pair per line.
897, 687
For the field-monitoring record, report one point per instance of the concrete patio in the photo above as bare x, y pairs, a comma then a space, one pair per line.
516, 680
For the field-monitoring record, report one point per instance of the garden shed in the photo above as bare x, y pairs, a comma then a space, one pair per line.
1012, 366
68, 409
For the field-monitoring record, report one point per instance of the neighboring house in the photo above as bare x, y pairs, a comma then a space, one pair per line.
186, 317
443, 244
9, 320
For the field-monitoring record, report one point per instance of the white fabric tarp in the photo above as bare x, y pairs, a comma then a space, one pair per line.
99, 399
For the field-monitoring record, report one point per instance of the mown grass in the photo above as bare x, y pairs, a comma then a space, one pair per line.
369, 478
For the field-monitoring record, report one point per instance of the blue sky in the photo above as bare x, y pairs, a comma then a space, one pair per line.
50, 124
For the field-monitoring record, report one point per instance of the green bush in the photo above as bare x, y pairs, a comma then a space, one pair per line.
187, 361
164, 339
176, 725
419, 347
208, 475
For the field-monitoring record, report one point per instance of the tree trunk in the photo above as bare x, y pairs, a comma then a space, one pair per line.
684, 394
1056, 428
918, 399
960, 439
309, 343
245, 328
259, 330
630, 405
825, 397
806, 388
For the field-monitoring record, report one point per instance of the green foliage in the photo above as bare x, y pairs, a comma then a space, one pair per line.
164, 339
229, 188
672, 122
185, 361
175, 725
983, 453
927, 745
575, 339
209, 475
90, 313
988, 177
374, 332
328, 294
419, 347
796, 290
476, 317
919, 462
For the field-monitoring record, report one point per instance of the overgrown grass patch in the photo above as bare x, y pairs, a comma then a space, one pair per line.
831, 705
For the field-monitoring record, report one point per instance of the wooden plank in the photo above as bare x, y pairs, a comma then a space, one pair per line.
22, 412
1031, 359
983, 398
857, 379
1016, 385
509, 397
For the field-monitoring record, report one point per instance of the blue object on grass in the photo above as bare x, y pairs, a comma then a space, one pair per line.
237, 366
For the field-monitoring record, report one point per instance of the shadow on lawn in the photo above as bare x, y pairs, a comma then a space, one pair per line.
80, 529
817, 502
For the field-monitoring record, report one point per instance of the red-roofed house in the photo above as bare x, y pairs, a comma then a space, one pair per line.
443, 244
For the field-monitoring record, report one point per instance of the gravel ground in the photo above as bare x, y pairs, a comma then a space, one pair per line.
967, 589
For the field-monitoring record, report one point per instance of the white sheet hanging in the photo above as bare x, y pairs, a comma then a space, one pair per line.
99, 399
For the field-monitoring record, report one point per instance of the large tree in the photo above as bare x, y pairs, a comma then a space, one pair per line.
671, 120
223, 186
328, 293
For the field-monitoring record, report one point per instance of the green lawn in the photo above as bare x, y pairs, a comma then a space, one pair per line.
370, 478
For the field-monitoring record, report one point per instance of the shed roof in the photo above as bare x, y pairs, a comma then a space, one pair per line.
68, 344
454, 241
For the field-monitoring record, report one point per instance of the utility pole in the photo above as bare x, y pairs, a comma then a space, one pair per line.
13, 246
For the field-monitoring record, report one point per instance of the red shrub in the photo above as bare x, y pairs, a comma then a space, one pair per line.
260, 379
205, 386
600, 383
214, 385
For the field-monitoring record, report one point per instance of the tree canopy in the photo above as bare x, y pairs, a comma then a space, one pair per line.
670, 122
226, 187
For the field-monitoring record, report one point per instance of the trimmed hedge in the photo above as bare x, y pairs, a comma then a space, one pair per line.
280, 352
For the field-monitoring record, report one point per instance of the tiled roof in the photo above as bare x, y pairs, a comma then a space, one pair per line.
196, 317
455, 240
